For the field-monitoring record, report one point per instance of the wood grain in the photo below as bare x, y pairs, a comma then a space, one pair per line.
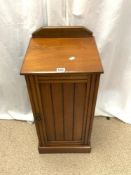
57, 98
68, 110
45, 55
46, 100
79, 101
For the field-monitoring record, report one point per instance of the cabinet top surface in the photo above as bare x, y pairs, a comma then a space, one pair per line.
68, 55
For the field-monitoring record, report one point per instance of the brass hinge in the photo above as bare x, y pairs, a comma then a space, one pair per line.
37, 117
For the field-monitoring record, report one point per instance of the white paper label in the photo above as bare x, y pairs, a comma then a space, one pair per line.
60, 69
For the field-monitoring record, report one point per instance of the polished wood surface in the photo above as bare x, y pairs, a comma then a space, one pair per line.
63, 103
45, 55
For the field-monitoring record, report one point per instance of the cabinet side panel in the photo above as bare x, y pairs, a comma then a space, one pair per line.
91, 106
34, 103
57, 99
79, 103
46, 100
86, 108
68, 89
96, 85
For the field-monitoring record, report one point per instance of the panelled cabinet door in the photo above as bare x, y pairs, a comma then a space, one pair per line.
64, 106
63, 110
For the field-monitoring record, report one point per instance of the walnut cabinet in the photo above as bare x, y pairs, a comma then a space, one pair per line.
62, 70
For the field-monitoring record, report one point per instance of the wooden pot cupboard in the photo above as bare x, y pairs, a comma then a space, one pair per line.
62, 70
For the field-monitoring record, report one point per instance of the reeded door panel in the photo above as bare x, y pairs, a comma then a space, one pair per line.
64, 109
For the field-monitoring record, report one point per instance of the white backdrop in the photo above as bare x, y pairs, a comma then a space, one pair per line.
111, 24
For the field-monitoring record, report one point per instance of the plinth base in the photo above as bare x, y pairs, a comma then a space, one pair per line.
64, 149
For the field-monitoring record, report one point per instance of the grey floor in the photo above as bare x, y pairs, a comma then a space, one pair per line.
111, 151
